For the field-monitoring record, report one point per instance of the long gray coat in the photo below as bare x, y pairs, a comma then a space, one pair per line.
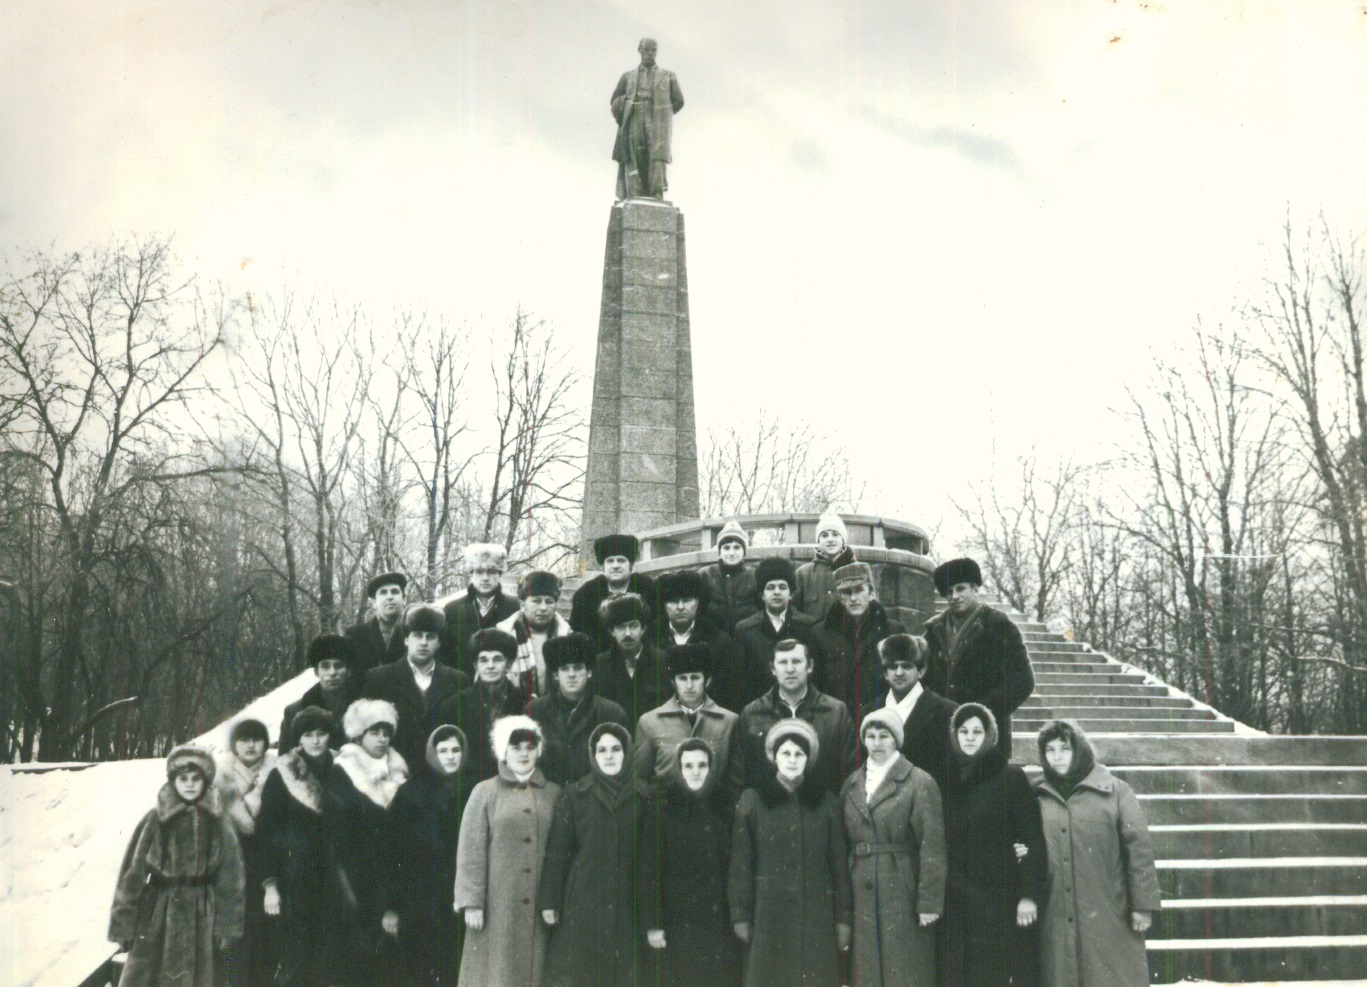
896, 843
1100, 869
498, 863
668, 100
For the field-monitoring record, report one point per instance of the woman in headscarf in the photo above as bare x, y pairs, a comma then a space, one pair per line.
427, 810
789, 882
1103, 886
365, 775
499, 859
588, 889
992, 898
686, 853
303, 900
895, 831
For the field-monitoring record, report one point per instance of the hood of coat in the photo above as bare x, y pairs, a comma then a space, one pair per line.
1084, 755
377, 778
169, 804
303, 777
988, 759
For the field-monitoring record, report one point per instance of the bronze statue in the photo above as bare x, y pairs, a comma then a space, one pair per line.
644, 104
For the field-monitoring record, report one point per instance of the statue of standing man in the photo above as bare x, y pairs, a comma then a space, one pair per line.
644, 104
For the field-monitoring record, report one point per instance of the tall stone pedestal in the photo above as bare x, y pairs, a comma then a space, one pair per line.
643, 444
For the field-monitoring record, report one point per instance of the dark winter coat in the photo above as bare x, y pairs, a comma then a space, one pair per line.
789, 880
985, 815
850, 668
683, 889
316, 697
371, 649
179, 893
637, 694
897, 867
590, 881
834, 730
925, 734
297, 857
426, 814
988, 665
463, 619
566, 730
1100, 870
751, 673
660, 732
498, 866
589, 596
417, 709
815, 589
731, 594
474, 710
250, 962
361, 833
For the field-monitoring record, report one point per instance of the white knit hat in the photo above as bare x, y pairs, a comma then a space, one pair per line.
365, 713
830, 520
732, 531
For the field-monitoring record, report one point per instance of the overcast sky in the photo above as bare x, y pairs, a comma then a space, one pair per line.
946, 232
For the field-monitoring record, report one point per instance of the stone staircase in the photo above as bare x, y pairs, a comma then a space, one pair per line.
1261, 840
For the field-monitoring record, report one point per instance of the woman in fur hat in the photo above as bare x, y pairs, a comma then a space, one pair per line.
302, 898
789, 883
894, 825
1103, 886
992, 898
178, 900
427, 809
588, 889
366, 773
498, 863
683, 876
241, 777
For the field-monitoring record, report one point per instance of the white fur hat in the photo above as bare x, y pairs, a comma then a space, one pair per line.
505, 727
365, 713
831, 520
484, 554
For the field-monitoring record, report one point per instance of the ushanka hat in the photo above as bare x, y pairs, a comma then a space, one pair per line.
955, 571
366, 713
773, 569
681, 584
493, 639
331, 647
617, 610
903, 647
732, 531
685, 658
190, 756
424, 618
889, 719
538, 582
484, 555
855, 572
571, 649
612, 545
792, 729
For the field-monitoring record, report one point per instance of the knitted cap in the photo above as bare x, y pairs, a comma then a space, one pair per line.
612, 545
483, 555
791, 727
732, 531
886, 718
829, 521
538, 582
366, 713
955, 571
571, 649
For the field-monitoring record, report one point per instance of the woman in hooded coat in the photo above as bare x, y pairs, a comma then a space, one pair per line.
687, 843
992, 897
365, 775
498, 863
302, 897
178, 900
895, 831
588, 888
426, 810
789, 882
1103, 886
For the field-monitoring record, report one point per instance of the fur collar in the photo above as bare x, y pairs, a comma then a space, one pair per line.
773, 794
302, 784
376, 779
170, 804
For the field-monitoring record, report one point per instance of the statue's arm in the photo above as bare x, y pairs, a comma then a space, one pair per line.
619, 99
675, 93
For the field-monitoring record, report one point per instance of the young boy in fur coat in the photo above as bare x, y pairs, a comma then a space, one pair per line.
178, 902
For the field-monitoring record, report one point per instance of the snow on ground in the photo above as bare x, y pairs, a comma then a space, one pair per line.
63, 833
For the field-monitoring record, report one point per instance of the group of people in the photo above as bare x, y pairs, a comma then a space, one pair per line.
747, 775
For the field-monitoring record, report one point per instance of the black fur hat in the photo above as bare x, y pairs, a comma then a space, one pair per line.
684, 658
572, 649
681, 584
493, 639
903, 647
538, 582
771, 569
424, 617
620, 609
955, 571
331, 647
610, 545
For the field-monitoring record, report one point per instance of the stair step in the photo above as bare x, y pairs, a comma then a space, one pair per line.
1096, 686
1250, 877
1258, 839
1051, 642
1067, 709
1310, 958
1165, 810
1052, 701
1244, 779
1246, 918
1131, 726
1083, 678
1045, 654
1074, 668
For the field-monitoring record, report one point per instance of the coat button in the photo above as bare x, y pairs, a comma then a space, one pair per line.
526, 839
526, 870
526, 901
526, 812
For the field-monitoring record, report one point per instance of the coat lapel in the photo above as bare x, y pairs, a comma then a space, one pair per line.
896, 774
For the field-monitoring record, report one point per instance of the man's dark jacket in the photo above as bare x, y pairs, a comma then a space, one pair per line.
417, 711
588, 597
850, 668
371, 649
463, 619
834, 732
990, 666
751, 673
474, 709
314, 697
925, 738
637, 694
566, 731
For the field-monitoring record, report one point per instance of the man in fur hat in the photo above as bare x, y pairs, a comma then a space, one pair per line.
491, 697
849, 636
683, 596
749, 675
571, 711
631, 672
532, 626
977, 655
924, 715
732, 595
617, 554
378, 639
690, 712
482, 607
416, 684
333, 658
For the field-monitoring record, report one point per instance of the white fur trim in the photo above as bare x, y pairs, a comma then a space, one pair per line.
506, 726
365, 713
375, 778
